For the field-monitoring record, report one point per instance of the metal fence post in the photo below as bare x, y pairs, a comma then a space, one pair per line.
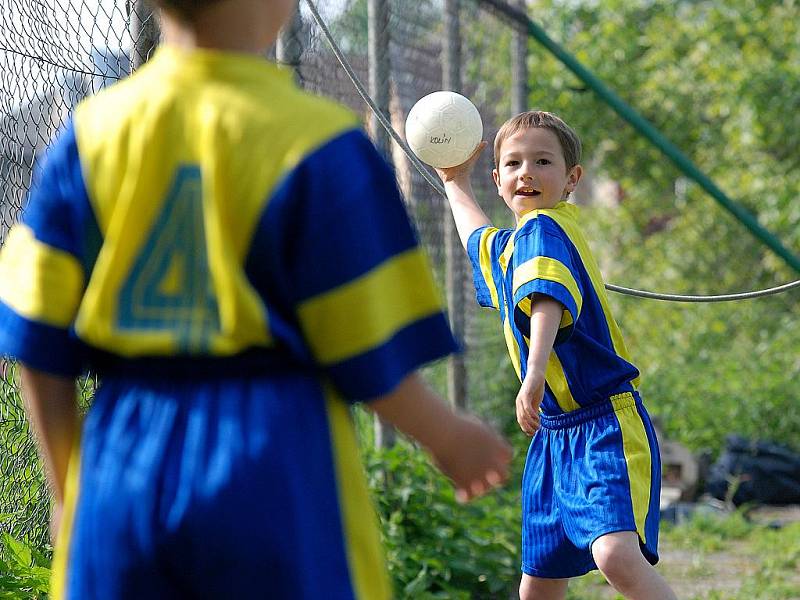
289, 47
379, 70
144, 31
519, 66
454, 253
379, 74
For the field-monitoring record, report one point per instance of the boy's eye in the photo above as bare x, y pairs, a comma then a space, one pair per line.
512, 163
542, 161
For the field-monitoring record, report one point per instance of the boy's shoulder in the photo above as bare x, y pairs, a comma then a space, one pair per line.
250, 90
557, 221
247, 106
552, 232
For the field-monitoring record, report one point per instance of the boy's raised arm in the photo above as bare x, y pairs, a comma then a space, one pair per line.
470, 453
466, 212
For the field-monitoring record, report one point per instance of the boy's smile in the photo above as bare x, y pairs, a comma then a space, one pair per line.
531, 171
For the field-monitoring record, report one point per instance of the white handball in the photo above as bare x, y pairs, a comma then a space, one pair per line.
443, 129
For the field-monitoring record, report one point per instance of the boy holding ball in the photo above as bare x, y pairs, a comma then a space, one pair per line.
590, 497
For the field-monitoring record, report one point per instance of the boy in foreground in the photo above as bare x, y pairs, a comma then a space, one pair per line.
590, 491
232, 257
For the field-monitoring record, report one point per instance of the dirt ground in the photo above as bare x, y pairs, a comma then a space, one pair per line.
693, 573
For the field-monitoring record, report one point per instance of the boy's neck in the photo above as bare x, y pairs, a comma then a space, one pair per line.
518, 217
232, 25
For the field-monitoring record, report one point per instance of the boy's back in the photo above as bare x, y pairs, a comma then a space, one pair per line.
213, 208
233, 257
232, 134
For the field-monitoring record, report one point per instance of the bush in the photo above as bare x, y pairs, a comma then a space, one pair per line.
435, 547
24, 571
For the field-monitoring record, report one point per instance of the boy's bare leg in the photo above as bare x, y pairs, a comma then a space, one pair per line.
539, 588
621, 561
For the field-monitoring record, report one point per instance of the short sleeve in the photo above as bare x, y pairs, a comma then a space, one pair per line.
483, 250
351, 271
543, 264
43, 266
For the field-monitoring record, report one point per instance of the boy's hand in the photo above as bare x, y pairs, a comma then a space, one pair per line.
528, 400
464, 170
472, 455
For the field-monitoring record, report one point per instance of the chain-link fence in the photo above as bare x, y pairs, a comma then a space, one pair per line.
52, 54
55, 52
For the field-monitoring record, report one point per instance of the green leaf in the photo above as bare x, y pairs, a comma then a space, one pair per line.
19, 551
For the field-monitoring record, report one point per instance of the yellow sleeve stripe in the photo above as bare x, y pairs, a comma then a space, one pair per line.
368, 311
526, 307
485, 257
37, 281
543, 267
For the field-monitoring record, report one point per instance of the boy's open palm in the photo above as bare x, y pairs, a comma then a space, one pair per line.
473, 456
464, 170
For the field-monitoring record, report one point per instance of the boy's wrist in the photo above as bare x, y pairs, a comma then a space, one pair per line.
462, 181
535, 373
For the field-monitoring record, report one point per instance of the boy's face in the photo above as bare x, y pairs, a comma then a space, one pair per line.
531, 171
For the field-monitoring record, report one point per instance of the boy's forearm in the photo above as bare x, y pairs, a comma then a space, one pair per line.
415, 409
51, 404
545, 321
466, 212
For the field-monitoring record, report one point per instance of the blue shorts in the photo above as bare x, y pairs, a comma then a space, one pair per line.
218, 488
589, 472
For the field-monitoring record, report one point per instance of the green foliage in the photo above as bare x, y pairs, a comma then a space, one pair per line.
722, 85
435, 547
24, 570
708, 369
23, 493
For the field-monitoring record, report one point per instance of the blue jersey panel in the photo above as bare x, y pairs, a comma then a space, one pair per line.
335, 254
58, 209
337, 215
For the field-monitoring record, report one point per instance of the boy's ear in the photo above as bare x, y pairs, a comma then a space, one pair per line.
496, 177
574, 177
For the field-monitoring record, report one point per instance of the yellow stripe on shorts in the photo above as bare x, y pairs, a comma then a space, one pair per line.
636, 447
58, 573
362, 540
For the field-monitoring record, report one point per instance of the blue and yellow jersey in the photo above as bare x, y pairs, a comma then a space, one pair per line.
207, 207
547, 254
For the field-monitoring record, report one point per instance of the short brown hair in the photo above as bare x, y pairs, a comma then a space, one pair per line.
569, 140
184, 9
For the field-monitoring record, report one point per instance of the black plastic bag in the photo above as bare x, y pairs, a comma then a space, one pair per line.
755, 471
